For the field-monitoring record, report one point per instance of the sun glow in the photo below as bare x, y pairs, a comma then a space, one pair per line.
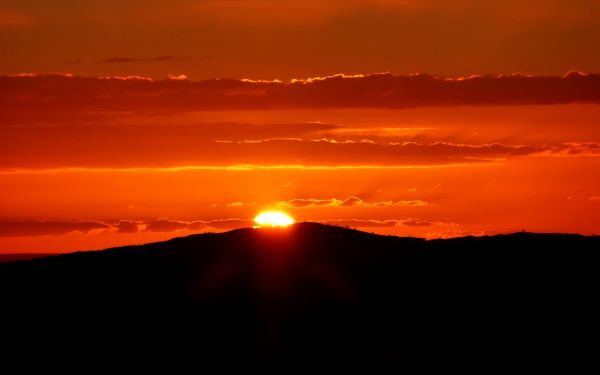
273, 219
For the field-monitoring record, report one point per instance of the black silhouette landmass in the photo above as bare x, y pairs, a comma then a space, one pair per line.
312, 292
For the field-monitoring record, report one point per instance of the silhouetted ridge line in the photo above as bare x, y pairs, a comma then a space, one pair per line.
312, 292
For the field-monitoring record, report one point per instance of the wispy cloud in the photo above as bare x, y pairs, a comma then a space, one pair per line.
118, 146
377, 223
347, 202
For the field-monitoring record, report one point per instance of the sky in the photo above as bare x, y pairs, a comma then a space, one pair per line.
124, 123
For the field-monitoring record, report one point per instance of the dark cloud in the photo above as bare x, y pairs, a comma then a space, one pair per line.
196, 225
43, 228
165, 225
40, 228
416, 223
56, 93
127, 227
225, 224
358, 223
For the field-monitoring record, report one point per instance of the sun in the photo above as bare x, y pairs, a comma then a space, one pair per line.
273, 219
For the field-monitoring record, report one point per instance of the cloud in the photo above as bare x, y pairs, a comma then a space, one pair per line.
224, 224
359, 223
119, 152
180, 77
347, 202
375, 223
458, 233
352, 201
165, 225
196, 225
57, 93
309, 202
412, 203
120, 146
416, 223
127, 227
45, 228
575, 149
220, 224
58, 228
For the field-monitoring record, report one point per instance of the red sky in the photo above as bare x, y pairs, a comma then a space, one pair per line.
487, 120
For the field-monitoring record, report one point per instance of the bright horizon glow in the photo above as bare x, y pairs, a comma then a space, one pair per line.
273, 219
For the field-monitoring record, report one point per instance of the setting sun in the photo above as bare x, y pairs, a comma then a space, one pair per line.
273, 219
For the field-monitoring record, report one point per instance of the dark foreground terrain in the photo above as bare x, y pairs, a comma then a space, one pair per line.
312, 292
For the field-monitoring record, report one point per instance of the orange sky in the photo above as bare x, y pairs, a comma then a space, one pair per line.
115, 152
269, 39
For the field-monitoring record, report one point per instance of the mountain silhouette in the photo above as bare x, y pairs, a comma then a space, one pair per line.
311, 292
